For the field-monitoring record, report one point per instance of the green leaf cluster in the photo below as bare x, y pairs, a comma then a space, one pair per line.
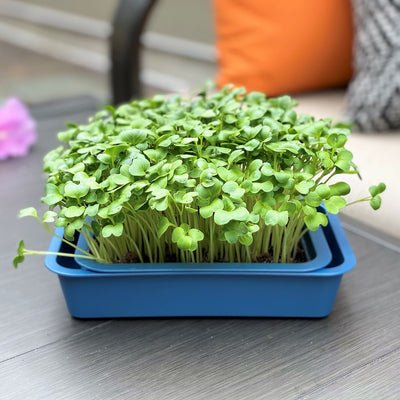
226, 176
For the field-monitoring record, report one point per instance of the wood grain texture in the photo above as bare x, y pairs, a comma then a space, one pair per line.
45, 354
378, 379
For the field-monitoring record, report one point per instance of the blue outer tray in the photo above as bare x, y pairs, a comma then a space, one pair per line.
225, 293
315, 245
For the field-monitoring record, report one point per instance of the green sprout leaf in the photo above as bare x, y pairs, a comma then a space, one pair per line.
273, 217
53, 195
177, 233
49, 216
233, 189
325, 158
163, 225
344, 160
313, 199
20, 257
119, 179
92, 211
155, 155
75, 190
282, 147
139, 167
334, 204
375, 202
196, 235
222, 217
234, 231
265, 187
207, 211
186, 239
28, 212
282, 176
304, 187
113, 151
134, 136
112, 230
267, 170
315, 220
253, 172
74, 211
323, 191
159, 204
375, 190
336, 140
235, 156
339, 189
246, 239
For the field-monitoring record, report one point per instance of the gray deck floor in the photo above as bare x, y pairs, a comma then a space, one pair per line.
45, 354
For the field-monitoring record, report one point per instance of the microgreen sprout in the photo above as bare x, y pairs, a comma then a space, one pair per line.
222, 177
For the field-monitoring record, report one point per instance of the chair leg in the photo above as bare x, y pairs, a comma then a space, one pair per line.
129, 22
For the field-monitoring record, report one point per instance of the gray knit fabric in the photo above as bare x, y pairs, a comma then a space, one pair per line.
374, 93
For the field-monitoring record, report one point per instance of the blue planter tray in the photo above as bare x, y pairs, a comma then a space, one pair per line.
315, 245
256, 293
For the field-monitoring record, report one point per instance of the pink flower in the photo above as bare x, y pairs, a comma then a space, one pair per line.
17, 129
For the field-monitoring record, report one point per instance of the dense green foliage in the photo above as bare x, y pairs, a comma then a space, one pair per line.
227, 176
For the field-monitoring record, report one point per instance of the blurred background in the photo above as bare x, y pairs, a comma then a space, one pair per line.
54, 49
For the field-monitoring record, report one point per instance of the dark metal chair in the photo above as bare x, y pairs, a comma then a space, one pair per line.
129, 21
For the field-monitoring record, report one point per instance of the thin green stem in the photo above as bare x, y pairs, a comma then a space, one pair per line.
48, 229
55, 253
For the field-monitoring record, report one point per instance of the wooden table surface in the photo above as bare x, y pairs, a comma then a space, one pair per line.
46, 354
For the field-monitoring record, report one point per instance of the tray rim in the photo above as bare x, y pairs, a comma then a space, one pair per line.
348, 263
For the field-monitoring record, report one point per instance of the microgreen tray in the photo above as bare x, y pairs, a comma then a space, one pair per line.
315, 245
258, 293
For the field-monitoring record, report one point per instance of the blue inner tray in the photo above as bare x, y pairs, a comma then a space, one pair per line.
314, 243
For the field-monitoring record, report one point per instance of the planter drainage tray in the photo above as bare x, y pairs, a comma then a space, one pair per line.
192, 292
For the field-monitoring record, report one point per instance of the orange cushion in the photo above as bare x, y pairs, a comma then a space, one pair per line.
284, 46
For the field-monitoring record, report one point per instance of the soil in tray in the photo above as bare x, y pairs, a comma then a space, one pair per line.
264, 258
